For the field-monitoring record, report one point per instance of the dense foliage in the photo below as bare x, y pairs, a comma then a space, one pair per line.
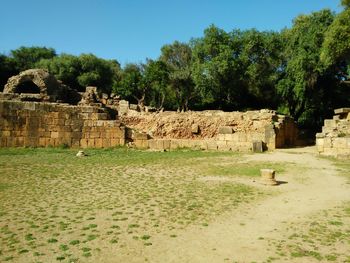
301, 71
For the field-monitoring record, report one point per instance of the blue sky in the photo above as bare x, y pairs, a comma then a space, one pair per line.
133, 30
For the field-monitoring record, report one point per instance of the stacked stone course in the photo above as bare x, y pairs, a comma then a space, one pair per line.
38, 124
334, 140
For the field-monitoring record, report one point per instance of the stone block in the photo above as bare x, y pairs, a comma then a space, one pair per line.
166, 144
122, 141
212, 145
76, 135
257, 146
195, 128
28, 106
100, 123
320, 141
91, 143
340, 142
343, 151
54, 134
111, 123
115, 142
153, 144
133, 107
59, 122
88, 109
6, 133
84, 143
242, 137
202, 144
320, 135
327, 143
174, 144
225, 130
330, 123
320, 148
10, 142
98, 143
114, 133
232, 146
231, 137
267, 177
342, 110
42, 142
74, 143
329, 151
221, 137
3, 141
31, 141
141, 144
19, 142
91, 89
94, 134
140, 136
106, 143
221, 145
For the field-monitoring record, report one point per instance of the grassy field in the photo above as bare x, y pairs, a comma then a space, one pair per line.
58, 207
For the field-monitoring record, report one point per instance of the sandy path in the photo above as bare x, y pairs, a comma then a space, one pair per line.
242, 236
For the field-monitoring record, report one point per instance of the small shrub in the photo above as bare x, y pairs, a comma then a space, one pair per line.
74, 242
64, 247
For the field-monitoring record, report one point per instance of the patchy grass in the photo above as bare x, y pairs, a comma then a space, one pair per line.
324, 237
55, 206
321, 239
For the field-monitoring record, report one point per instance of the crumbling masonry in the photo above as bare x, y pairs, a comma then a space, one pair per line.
334, 140
35, 118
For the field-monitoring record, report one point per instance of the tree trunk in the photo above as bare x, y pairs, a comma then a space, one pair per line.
141, 102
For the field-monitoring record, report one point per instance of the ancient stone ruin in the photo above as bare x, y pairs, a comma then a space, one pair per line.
33, 81
334, 140
211, 130
38, 85
37, 110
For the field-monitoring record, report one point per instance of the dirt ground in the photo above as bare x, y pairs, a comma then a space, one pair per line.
119, 206
247, 235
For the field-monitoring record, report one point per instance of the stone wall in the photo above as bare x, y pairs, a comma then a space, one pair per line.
334, 140
211, 130
39, 124
42, 124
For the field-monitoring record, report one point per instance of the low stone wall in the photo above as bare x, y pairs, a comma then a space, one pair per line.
334, 140
43, 124
211, 130
200, 144
38, 124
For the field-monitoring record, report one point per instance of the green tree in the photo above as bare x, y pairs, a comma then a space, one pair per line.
156, 78
27, 57
65, 68
97, 72
302, 88
82, 71
336, 46
262, 63
178, 59
7, 70
345, 3
131, 84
